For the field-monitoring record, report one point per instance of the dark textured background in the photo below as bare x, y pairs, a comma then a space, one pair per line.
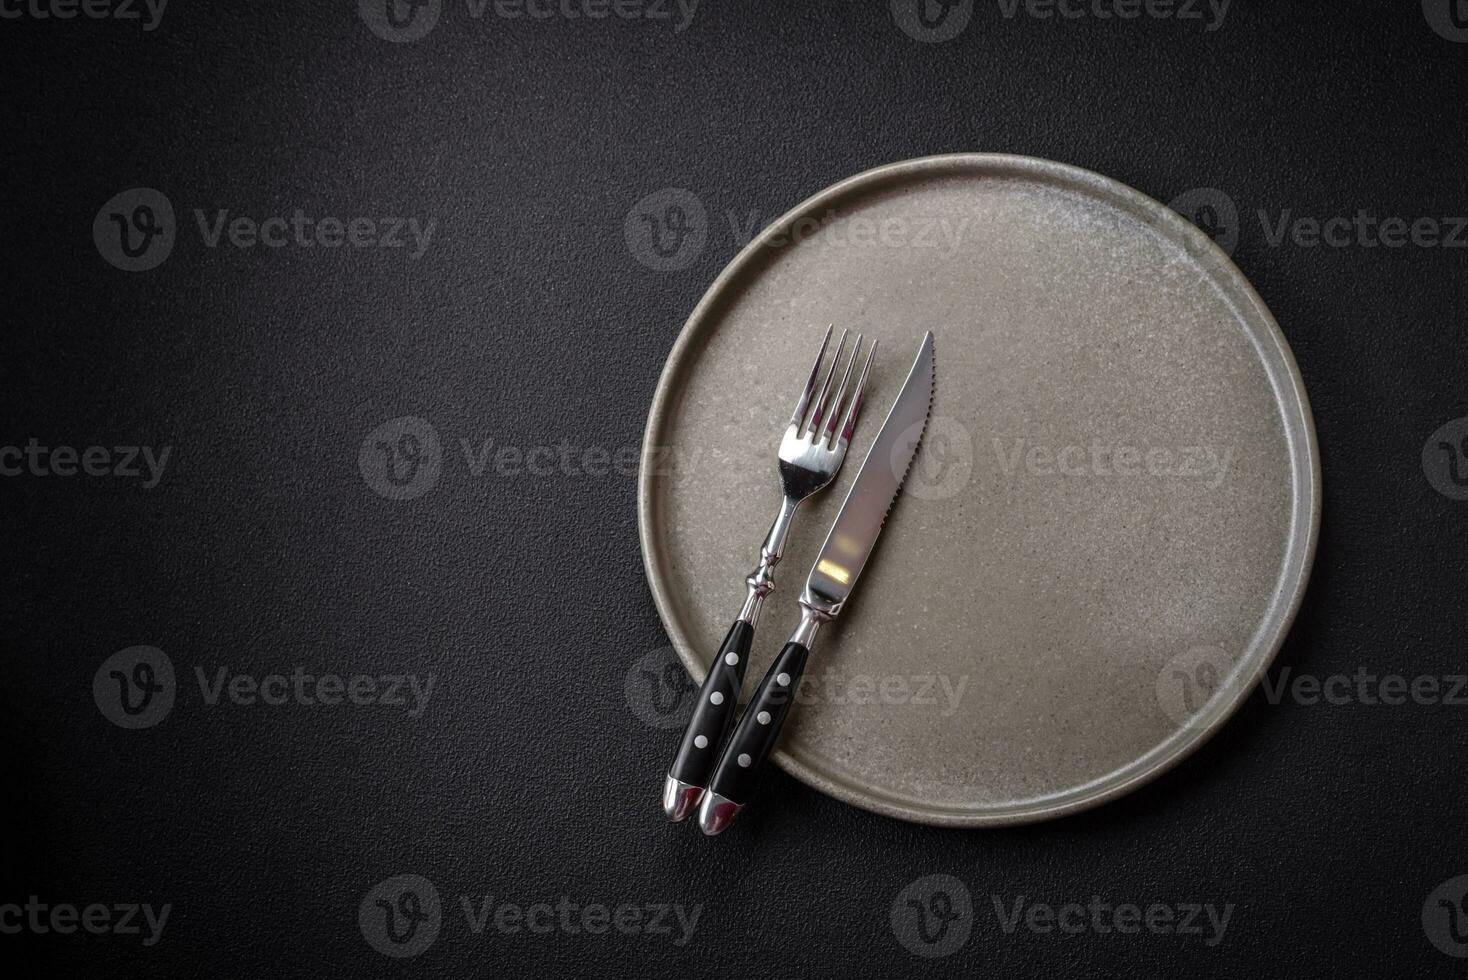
529, 321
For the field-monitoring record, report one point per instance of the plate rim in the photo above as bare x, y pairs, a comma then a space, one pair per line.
1285, 380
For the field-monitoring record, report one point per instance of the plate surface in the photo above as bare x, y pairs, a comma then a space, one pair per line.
1105, 535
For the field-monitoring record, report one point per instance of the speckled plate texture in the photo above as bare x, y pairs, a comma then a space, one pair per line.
1105, 535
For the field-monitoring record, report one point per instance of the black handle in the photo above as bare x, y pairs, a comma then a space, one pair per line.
758, 730
713, 714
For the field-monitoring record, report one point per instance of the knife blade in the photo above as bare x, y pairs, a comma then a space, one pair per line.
858, 524
839, 564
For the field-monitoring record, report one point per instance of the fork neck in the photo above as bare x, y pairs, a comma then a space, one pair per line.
761, 581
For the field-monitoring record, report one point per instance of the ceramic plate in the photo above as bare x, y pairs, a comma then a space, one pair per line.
1103, 540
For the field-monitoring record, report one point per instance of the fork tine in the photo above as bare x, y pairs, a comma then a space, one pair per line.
810, 382
828, 432
820, 410
854, 409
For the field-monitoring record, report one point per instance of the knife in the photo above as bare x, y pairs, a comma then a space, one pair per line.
840, 562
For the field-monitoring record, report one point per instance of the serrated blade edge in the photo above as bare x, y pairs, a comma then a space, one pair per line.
859, 522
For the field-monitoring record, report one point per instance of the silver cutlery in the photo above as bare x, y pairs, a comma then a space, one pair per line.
810, 454
841, 560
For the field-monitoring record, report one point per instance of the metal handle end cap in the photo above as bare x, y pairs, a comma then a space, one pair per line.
680, 799
716, 813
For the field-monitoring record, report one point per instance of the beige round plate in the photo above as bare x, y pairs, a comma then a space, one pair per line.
1106, 534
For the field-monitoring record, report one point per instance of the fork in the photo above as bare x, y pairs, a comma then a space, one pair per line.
811, 453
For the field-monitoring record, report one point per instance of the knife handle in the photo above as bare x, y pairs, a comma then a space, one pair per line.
753, 740
713, 716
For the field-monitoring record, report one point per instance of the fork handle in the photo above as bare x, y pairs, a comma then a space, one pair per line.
754, 739
713, 717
